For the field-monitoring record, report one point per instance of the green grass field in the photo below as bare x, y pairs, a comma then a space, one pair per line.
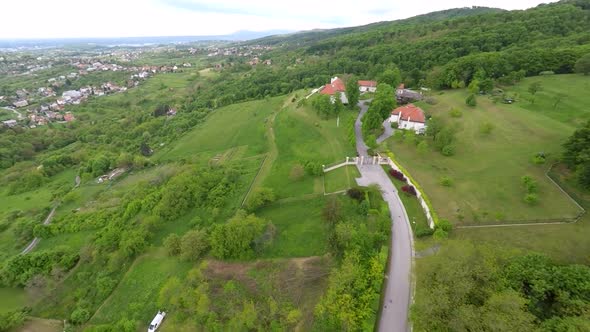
238, 125
342, 178
486, 169
12, 299
300, 228
303, 136
137, 295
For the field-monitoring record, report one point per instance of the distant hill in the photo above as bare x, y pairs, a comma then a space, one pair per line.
241, 35
306, 37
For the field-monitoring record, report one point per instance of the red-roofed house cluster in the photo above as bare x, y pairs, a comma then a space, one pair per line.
409, 117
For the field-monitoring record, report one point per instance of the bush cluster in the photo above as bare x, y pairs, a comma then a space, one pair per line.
398, 175
410, 190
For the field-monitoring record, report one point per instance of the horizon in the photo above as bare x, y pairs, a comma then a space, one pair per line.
67, 19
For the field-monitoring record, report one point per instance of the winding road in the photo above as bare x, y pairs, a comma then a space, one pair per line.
398, 288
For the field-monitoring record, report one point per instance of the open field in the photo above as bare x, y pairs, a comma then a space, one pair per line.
12, 299
136, 296
301, 231
562, 97
238, 125
486, 169
342, 178
303, 136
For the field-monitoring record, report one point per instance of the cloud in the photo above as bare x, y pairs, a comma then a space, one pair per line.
114, 18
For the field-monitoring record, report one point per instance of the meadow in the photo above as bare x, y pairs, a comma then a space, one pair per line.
486, 169
340, 179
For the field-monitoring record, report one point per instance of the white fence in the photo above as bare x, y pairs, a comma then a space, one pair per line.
418, 194
375, 160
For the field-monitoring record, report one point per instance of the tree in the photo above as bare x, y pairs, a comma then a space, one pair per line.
79, 316
172, 244
352, 92
533, 89
391, 76
260, 197
384, 101
194, 244
582, 66
238, 237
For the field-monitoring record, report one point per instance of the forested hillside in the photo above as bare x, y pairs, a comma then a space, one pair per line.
444, 53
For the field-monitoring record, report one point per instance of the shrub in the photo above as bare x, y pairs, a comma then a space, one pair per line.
446, 181
313, 168
422, 147
355, 193
486, 128
440, 234
471, 100
394, 125
448, 150
397, 174
410, 190
529, 183
423, 232
531, 199
539, 158
455, 113
445, 225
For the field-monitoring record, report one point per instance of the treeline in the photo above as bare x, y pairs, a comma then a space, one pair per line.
358, 230
577, 154
468, 287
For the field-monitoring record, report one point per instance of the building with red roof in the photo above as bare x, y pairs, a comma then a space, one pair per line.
336, 87
367, 86
409, 117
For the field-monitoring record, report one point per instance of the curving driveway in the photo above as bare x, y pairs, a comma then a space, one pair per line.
397, 297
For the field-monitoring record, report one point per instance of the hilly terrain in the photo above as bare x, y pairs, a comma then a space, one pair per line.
201, 190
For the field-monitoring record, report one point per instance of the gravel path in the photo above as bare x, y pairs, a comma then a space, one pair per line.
36, 240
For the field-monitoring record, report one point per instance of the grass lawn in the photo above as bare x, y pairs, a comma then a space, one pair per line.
411, 204
137, 295
562, 97
486, 170
342, 178
226, 128
303, 136
300, 228
12, 299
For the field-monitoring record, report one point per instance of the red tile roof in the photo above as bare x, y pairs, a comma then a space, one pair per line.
371, 84
401, 86
336, 86
410, 112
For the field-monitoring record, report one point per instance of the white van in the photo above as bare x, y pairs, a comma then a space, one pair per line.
157, 321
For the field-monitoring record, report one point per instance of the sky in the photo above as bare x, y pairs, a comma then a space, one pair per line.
136, 18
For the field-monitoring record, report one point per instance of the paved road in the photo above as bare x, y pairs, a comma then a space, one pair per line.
394, 315
387, 133
36, 240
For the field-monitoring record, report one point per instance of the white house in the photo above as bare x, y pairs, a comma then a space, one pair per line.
367, 86
336, 87
9, 123
409, 117
20, 103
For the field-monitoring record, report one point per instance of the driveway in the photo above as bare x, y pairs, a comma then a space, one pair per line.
397, 297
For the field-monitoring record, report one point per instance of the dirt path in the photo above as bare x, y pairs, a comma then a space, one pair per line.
36, 240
